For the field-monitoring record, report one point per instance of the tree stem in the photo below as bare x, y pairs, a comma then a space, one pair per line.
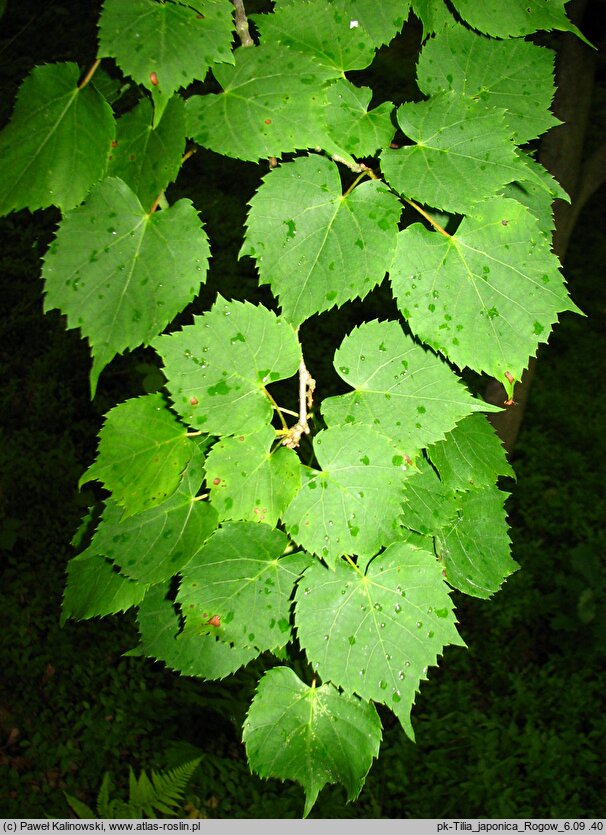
307, 386
242, 24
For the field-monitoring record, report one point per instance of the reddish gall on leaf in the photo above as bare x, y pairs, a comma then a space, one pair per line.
214, 621
153, 77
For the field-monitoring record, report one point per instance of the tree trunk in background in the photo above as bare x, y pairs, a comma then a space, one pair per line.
561, 152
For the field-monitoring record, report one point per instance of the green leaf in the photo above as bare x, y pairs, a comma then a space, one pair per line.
517, 77
463, 153
516, 17
533, 172
147, 159
162, 793
382, 21
471, 455
420, 540
108, 86
81, 809
351, 125
165, 46
121, 274
353, 504
329, 36
475, 547
204, 656
143, 451
95, 588
433, 14
402, 391
272, 102
487, 296
316, 247
249, 481
376, 633
155, 544
429, 504
240, 577
218, 367
314, 735
55, 146
537, 200
536, 189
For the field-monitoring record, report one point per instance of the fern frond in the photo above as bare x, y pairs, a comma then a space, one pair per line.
163, 793
103, 802
170, 786
80, 808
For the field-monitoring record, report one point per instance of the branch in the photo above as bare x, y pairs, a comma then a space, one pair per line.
242, 24
307, 386
89, 74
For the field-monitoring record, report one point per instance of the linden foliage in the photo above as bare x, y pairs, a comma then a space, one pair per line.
228, 542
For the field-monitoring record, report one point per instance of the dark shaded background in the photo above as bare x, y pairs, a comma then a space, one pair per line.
514, 726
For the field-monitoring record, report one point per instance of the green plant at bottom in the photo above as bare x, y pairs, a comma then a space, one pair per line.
162, 793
